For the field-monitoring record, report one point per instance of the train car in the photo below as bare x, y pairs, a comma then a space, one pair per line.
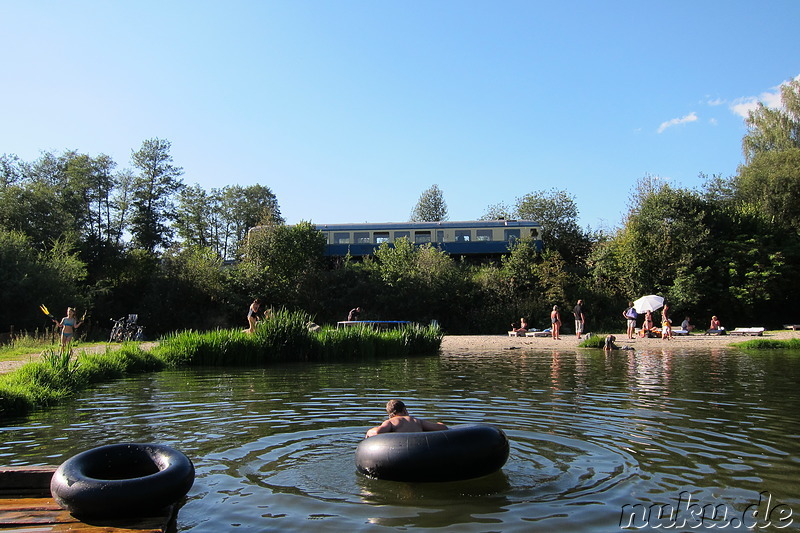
478, 237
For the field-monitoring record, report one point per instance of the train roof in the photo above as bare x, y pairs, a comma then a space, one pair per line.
372, 226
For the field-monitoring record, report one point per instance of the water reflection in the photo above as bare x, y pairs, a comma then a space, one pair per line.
590, 432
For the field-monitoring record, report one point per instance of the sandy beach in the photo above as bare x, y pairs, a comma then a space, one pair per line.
464, 344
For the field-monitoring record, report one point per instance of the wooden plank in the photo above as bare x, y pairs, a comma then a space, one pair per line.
20, 511
25, 480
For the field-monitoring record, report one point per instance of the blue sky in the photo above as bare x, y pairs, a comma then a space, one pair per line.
349, 110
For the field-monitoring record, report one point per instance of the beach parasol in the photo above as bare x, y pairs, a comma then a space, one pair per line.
651, 302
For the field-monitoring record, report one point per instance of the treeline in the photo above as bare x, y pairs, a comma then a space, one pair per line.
74, 230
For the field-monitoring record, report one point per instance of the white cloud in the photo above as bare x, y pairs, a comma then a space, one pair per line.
715, 101
770, 98
691, 117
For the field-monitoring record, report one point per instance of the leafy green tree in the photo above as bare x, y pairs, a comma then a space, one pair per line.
771, 130
431, 206
29, 278
557, 212
499, 211
194, 216
282, 262
153, 190
770, 184
242, 208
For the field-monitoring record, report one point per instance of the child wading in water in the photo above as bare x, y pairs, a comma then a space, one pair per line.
400, 421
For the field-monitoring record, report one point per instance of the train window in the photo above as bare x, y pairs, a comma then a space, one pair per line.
439, 235
361, 237
381, 236
421, 237
511, 235
463, 235
484, 235
401, 234
534, 232
341, 238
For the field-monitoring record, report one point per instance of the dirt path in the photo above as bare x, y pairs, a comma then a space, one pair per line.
8, 366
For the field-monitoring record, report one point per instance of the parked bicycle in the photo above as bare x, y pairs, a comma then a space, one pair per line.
126, 329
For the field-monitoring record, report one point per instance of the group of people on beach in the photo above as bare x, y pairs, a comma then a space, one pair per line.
648, 327
631, 316
555, 322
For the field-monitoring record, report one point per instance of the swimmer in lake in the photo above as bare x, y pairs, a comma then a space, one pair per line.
400, 421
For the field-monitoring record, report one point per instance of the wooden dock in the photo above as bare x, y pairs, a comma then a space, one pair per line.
26, 505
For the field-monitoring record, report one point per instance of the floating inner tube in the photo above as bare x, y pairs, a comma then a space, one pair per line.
122, 480
461, 452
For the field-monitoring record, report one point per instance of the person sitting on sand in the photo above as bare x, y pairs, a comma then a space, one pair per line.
647, 325
400, 421
685, 325
715, 324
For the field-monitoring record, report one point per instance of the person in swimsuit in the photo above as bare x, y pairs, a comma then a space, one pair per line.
648, 324
400, 421
555, 323
666, 323
68, 326
522, 329
252, 315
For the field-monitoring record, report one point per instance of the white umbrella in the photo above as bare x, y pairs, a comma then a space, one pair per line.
651, 302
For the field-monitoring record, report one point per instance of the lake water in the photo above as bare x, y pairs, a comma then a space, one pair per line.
596, 440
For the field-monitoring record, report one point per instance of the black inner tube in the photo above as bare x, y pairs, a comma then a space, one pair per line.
462, 452
122, 480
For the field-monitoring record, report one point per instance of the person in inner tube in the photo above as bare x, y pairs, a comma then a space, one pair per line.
400, 421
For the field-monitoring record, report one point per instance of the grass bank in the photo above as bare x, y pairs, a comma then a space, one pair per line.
284, 337
770, 344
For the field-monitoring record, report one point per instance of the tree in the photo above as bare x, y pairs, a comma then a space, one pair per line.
557, 212
153, 191
242, 208
194, 215
774, 129
281, 261
431, 206
770, 185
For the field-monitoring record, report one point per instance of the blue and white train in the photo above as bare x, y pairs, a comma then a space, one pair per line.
478, 237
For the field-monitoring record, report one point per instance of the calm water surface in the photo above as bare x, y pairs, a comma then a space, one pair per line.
595, 439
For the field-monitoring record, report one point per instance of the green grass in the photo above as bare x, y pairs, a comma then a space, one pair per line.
597, 340
27, 344
769, 344
284, 337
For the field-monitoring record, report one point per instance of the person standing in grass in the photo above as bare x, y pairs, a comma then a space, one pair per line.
252, 315
68, 326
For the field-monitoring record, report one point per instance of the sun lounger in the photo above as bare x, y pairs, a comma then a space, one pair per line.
720, 331
516, 334
545, 333
793, 327
679, 332
747, 331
